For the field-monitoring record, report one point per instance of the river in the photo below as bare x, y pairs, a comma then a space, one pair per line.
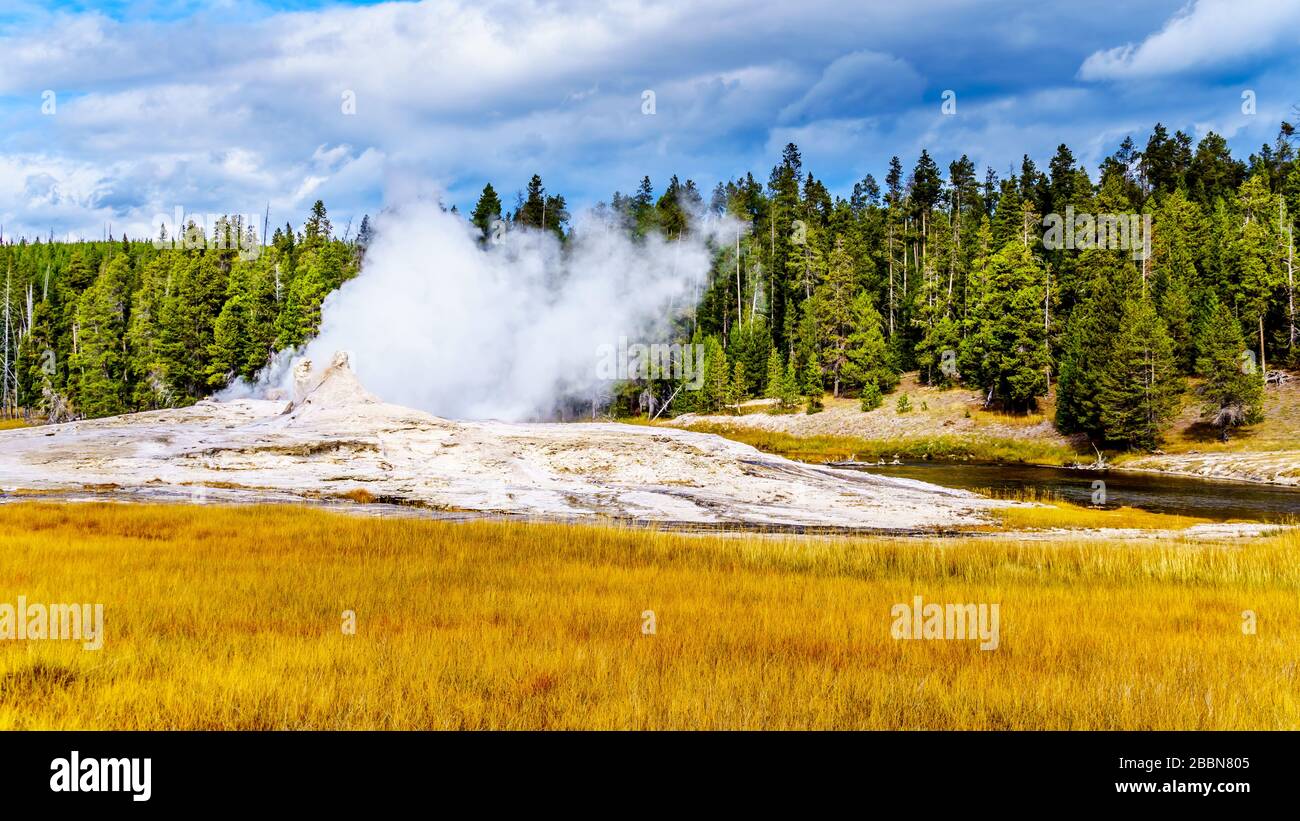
1216, 500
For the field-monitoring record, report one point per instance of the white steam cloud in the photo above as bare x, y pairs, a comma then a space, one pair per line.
509, 331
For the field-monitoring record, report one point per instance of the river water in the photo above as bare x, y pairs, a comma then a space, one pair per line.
1217, 500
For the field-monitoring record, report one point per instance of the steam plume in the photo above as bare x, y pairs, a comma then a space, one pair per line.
509, 331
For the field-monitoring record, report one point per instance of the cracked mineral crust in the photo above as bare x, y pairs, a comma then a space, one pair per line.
335, 438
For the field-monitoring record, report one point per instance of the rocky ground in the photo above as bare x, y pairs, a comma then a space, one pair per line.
933, 412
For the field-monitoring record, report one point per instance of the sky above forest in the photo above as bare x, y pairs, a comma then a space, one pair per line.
112, 113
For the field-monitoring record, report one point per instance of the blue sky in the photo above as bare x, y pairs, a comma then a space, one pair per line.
115, 112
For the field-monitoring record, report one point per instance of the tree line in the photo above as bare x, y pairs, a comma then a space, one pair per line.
950, 275
101, 328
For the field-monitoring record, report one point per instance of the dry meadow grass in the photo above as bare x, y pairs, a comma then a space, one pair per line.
231, 617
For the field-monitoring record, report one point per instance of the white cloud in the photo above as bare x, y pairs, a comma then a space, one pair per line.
230, 109
863, 82
1204, 34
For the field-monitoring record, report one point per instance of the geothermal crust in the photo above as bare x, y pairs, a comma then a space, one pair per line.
335, 438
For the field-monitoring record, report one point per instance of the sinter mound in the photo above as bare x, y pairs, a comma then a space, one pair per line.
335, 438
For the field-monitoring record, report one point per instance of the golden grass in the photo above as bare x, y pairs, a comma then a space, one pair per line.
1015, 420
1050, 511
1062, 514
230, 617
13, 424
359, 495
821, 448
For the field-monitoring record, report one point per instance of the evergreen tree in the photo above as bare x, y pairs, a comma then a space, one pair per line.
486, 211
38, 372
1008, 349
98, 361
834, 307
531, 210
643, 213
148, 375
1233, 392
738, 389
317, 230
1139, 389
1214, 174
750, 344
1178, 310
320, 271
807, 358
1174, 275
366, 233
1256, 252
715, 393
775, 374
871, 398
867, 360
789, 395
1110, 280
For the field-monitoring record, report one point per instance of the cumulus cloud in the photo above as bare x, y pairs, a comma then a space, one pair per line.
232, 106
1203, 34
857, 84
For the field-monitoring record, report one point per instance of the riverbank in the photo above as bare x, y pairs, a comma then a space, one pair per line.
279, 617
950, 425
1281, 467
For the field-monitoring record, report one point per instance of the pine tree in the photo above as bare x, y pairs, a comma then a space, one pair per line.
531, 210
148, 375
194, 300
253, 286
1256, 252
867, 359
1174, 276
1139, 389
319, 272
871, 398
317, 230
486, 211
807, 356
1213, 174
789, 395
749, 345
715, 392
1177, 310
1233, 392
1007, 349
38, 372
834, 307
1107, 280
775, 375
738, 389
99, 365
366, 234
643, 211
